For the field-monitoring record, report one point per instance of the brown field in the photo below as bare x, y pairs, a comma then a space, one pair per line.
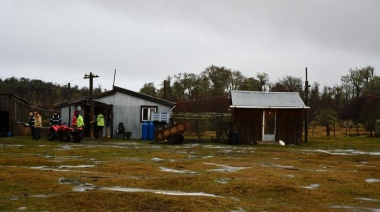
326, 174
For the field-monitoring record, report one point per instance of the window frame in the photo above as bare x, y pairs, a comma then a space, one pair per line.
150, 109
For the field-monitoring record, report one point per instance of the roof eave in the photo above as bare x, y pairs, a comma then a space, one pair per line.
267, 107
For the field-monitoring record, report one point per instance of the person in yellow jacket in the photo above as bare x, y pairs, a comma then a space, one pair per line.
79, 120
100, 124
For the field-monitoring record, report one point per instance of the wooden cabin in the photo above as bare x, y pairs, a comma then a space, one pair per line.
267, 117
12, 110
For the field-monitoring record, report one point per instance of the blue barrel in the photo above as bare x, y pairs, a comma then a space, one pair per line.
151, 131
144, 131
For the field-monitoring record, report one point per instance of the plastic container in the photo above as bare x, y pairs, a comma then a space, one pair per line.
234, 137
144, 131
151, 130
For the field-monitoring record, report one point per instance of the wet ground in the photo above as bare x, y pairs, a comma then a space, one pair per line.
239, 174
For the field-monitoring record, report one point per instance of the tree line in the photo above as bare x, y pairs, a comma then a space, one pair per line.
42, 94
355, 100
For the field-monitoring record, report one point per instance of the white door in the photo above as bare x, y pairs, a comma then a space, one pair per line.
269, 125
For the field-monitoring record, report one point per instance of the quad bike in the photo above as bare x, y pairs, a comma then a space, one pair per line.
65, 133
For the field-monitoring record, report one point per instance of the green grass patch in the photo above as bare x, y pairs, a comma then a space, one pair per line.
130, 175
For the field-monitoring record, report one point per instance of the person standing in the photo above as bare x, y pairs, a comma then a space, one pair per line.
31, 125
80, 123
79, 120
38, 125
55, 119
100, 124
74, 121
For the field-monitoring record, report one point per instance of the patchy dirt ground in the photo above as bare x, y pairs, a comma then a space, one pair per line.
120, 175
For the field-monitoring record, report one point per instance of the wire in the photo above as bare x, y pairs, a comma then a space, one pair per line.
65, 83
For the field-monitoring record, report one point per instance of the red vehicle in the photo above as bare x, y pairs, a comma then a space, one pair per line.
65, 133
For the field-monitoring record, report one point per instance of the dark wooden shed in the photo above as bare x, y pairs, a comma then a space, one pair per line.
267, 117
13, 109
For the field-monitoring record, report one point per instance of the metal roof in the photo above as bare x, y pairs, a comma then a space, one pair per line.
256, 99
84, 100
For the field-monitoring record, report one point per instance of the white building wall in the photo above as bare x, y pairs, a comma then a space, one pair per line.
126, 109
66, 117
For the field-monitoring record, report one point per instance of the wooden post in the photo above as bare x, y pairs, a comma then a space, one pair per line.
306, 111
91, 77
68, 100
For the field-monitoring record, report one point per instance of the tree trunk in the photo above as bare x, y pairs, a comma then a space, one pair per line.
327, 130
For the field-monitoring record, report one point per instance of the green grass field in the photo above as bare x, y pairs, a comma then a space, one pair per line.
326, 174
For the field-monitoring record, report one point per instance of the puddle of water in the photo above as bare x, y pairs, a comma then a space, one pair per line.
365, 166
43, 195
238, 210
342, 207
181, 152
65, 147
225, 168
82, 187
312, 186
203, 157
157, 159
78, 166
225, 151
284, 167
279, 166
323, 170
344, 152
368, 199
38, 167
356, 209
223, 181
60, 168
177, 171
11, 145
372, 180
45, 168
174, 193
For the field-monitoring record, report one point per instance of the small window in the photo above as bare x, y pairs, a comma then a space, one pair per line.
147, 112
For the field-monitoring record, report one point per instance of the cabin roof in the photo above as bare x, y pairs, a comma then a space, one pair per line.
84, 100
275, 100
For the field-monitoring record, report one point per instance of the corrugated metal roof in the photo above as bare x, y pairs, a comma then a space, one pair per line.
255, 99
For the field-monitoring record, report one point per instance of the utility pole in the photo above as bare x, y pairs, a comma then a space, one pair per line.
91, 77
68, 100
306, 111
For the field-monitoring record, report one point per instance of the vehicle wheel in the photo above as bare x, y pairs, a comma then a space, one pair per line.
51, 135
77, 137
171, 140
65, 137
179, 139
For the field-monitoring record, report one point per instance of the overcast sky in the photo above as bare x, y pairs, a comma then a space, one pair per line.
60, 41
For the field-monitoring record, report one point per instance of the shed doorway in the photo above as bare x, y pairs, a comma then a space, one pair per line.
269, 125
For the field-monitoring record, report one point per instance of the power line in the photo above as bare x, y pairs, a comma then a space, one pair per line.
65, 83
